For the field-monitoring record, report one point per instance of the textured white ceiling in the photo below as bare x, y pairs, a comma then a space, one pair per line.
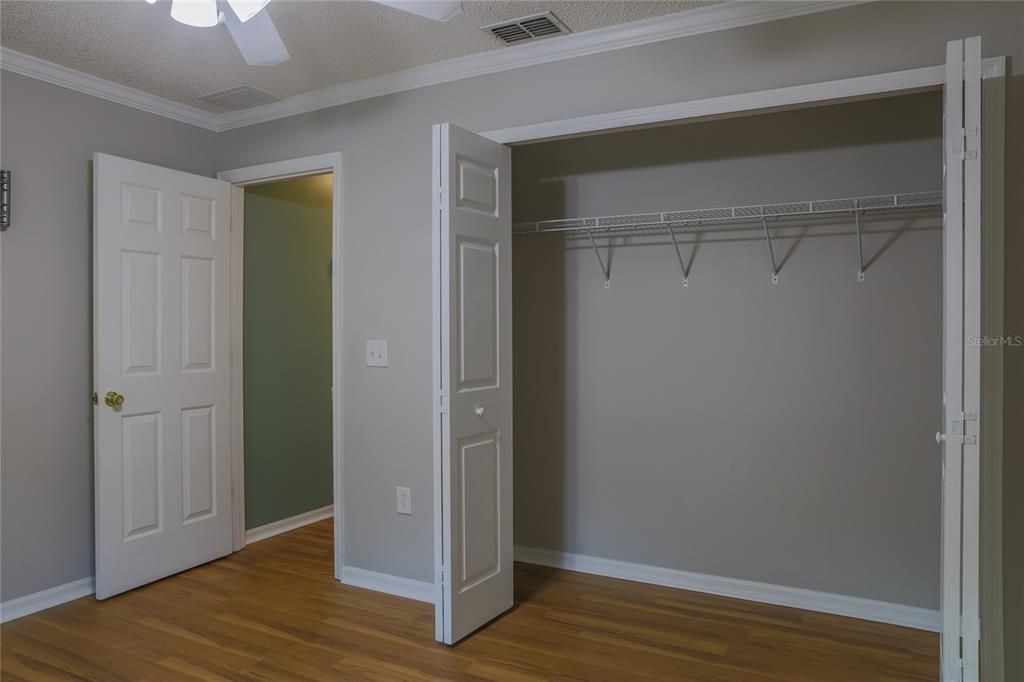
331, 41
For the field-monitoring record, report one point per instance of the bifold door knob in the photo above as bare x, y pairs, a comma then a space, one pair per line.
479, 411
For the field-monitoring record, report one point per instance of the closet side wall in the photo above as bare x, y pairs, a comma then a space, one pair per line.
775, 433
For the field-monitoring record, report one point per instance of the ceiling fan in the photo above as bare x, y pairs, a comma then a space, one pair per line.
255, 34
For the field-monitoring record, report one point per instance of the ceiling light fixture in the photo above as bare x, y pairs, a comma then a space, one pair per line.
200, 13
254, 32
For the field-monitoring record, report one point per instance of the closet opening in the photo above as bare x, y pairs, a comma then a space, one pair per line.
728, 357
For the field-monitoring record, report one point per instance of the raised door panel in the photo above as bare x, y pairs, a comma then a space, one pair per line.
198, 215
199, 484
477, 313
142, 466
141, 207
479, 512
476, 186
140, 312
197, 313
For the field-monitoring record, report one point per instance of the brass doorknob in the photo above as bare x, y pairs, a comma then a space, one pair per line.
113, 399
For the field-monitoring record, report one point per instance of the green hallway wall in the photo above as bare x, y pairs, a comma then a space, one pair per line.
287, 348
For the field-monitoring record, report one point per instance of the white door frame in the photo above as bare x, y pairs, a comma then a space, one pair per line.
848, 89
254, 175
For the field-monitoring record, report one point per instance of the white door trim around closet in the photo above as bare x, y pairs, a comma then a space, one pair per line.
252, 175
893, 82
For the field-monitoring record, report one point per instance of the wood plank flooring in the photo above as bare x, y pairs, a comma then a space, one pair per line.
274, 612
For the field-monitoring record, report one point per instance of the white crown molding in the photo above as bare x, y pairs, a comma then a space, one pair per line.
55, 74
389, 584
44, 599
291, 523
766, 593
730, 14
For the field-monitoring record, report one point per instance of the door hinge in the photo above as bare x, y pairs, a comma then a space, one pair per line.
442, 579
95, 399
441, 402
959, 428
969, 143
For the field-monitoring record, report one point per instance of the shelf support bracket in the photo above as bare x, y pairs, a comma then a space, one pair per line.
605, 267
860, 246
771, 250
679, 255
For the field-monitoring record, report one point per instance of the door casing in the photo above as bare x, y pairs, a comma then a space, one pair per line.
239, 179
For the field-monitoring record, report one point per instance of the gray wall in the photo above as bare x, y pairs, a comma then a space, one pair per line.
48, 138
776, 433
387, 147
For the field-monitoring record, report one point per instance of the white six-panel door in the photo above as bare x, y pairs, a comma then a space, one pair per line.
961, 474
472, 379
160, 307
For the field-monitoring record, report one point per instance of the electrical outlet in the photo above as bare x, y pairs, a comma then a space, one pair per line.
376, 353
404, 500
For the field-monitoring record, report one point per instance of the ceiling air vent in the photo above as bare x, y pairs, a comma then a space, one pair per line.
533, 27
236, 99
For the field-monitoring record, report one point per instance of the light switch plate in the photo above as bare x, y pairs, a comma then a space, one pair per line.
403, 500
376, 353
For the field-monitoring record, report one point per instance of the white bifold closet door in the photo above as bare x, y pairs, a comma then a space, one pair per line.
961, 479
161, 352
472, 380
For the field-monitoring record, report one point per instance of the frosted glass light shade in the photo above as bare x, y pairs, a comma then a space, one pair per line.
202, 13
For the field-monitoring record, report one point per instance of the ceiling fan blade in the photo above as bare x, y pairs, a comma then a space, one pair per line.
247, 9
257, 39
438, 10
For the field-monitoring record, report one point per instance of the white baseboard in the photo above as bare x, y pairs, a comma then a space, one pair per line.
824, 602
291, 523
44, 599
391, 584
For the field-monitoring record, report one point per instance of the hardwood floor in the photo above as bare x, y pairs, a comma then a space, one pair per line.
273, 612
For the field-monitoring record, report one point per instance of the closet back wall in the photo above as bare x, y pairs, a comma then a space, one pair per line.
775, 433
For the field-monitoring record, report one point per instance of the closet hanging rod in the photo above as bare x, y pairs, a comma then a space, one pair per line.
732, 217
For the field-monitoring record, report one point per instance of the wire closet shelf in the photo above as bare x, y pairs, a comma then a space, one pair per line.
732, 217
728, 218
